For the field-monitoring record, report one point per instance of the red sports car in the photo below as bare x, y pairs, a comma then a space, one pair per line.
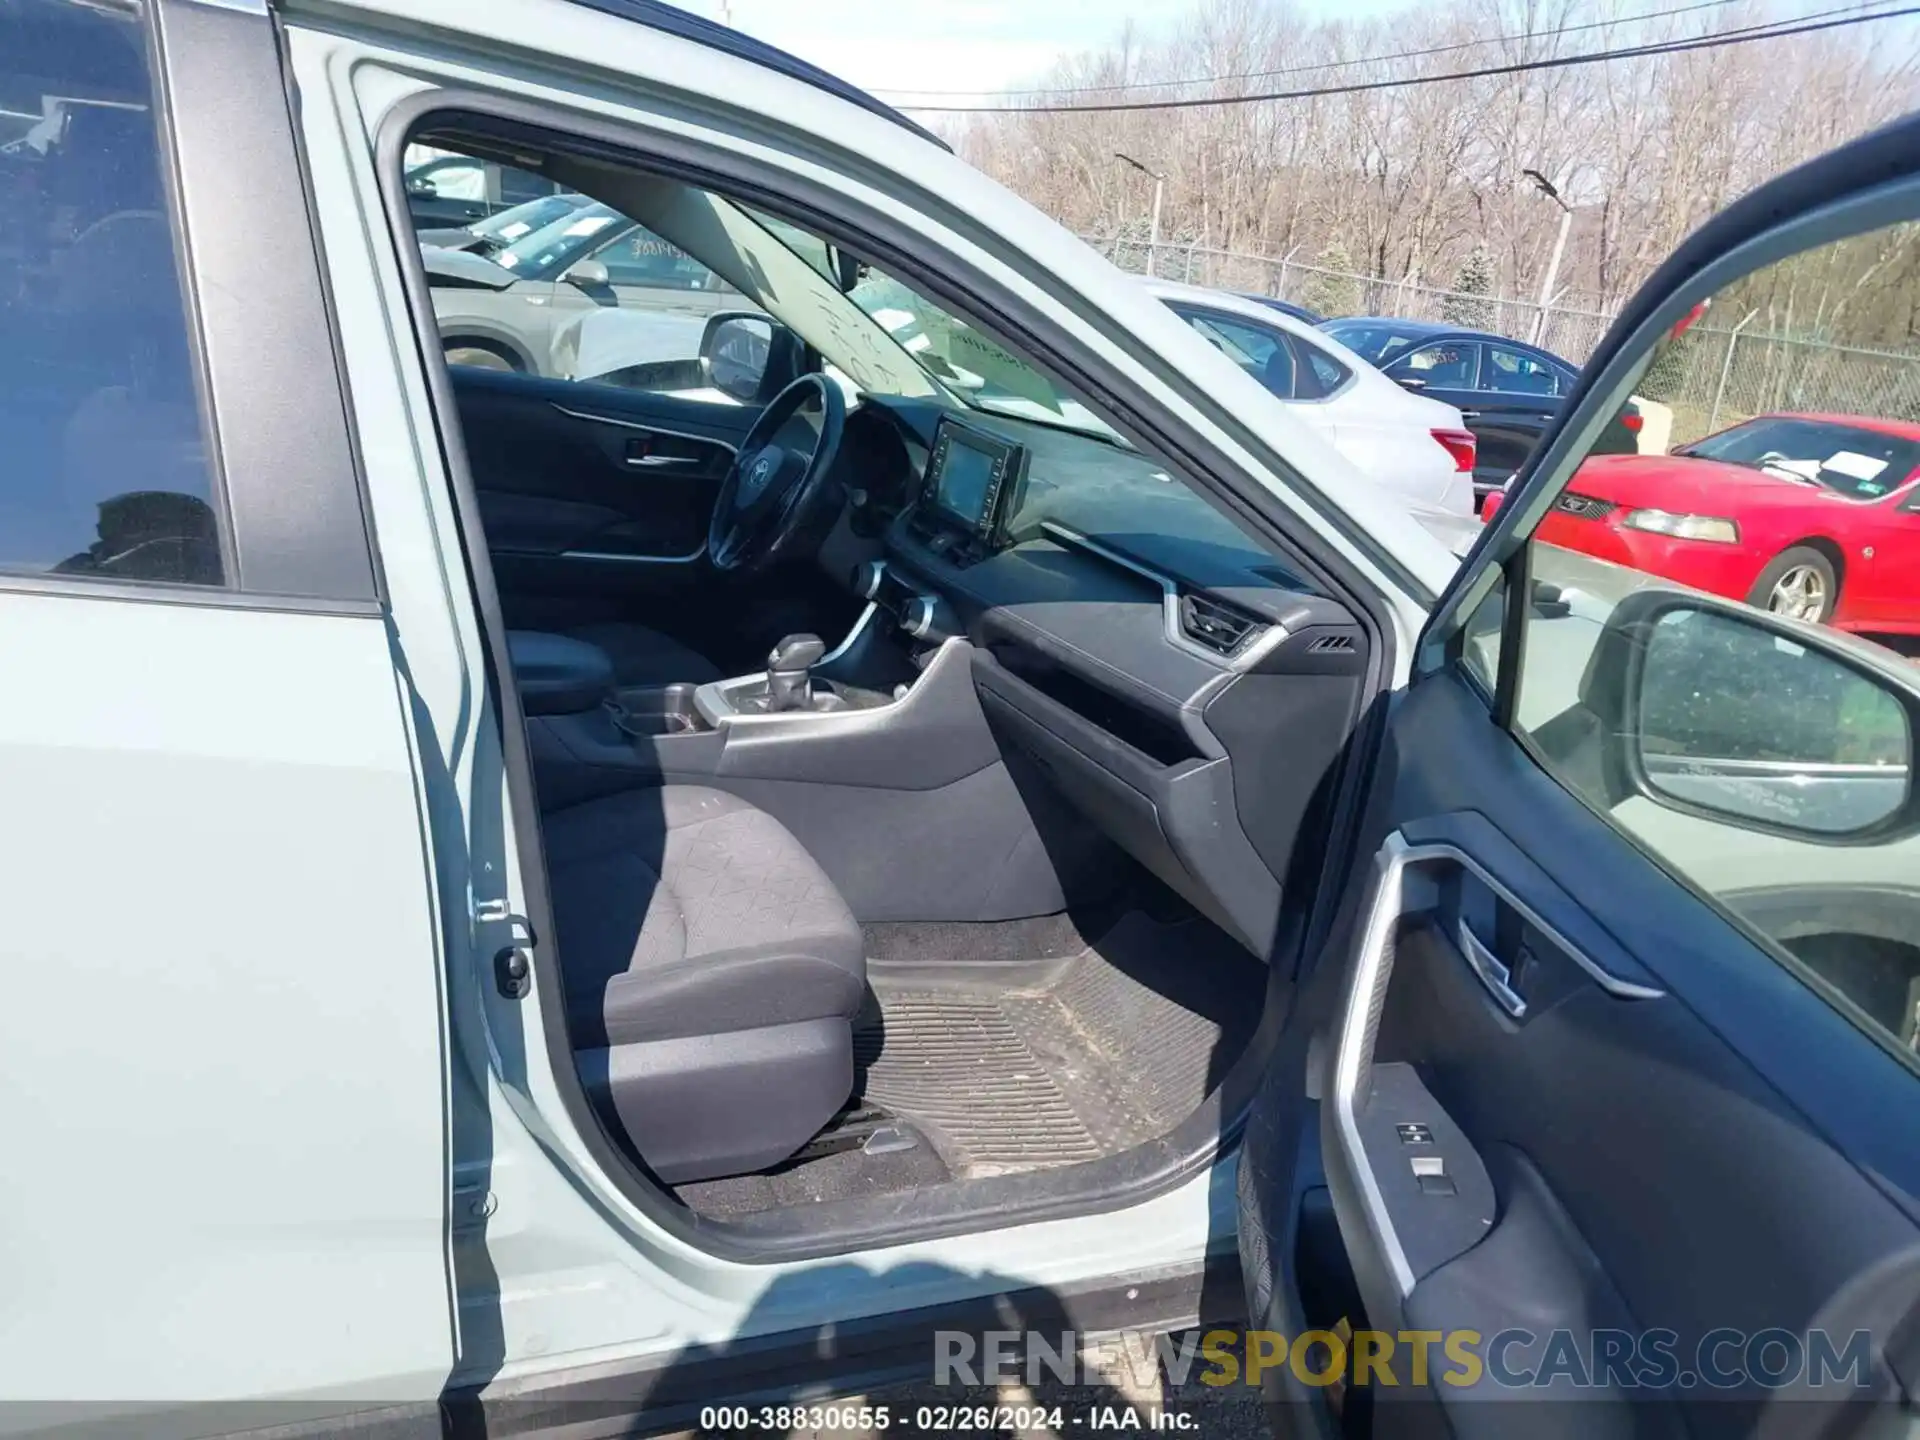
1813, 516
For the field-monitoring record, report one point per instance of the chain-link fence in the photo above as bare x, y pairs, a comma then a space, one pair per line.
1716, 377
1711, 378
1567, 332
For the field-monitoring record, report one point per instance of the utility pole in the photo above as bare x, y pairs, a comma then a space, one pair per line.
1552, 191
1153, 225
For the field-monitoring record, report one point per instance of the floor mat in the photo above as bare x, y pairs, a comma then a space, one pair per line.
997, 1068
1110, 1049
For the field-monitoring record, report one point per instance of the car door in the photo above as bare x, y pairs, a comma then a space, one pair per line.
1597, 1114
1518, 396
1888, 593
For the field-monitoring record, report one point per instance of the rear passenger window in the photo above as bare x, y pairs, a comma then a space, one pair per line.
1324, 373
1255, 349
106, 471
1513, 373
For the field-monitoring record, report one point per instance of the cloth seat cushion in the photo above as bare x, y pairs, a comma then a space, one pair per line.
686, 911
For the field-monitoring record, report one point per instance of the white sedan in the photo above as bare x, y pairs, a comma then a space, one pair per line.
1418, 448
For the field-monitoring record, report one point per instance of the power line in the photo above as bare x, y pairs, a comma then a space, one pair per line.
1323, 64
1521, 67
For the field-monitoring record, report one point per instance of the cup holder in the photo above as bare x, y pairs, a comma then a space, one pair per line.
653, 710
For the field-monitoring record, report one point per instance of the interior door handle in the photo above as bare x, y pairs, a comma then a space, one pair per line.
1491, 970
659, 462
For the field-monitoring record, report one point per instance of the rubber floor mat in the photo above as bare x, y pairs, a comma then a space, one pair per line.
1118, 1046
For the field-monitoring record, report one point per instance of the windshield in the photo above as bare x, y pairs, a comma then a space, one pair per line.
973, 367
518, 221
1372, 340
557, 244
1860, 463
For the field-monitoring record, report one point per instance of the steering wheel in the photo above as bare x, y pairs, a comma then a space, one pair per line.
763, 502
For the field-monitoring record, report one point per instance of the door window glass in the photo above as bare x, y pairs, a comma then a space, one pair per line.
639, 257
1514, 373
1322, 374
1721, 650
1448, 365
108, 473
1257, 350
562, 286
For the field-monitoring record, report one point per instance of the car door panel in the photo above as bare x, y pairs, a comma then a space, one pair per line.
588, 487
1657, 1052
1507, 427
1886, 590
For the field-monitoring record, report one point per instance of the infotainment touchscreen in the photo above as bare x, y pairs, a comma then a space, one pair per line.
966, 475
966, 482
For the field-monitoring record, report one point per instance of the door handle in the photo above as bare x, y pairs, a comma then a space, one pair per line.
659, 462
1491, 970
1469, 414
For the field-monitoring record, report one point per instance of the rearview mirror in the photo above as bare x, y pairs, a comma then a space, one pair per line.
586, 275
1734, 716
734, 352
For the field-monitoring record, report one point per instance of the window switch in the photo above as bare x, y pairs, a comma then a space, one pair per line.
1437, 1185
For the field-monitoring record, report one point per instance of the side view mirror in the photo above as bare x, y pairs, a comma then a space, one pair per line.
1712, 709
735, 350
422, 186
587, 275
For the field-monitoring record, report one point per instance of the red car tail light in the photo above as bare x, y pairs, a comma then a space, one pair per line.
1461, 445
1633, 420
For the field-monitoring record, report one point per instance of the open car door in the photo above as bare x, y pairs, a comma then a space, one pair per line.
1600, 1114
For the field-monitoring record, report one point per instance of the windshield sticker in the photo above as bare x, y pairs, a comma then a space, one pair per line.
1854, 465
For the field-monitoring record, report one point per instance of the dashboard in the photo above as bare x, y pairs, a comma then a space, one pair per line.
1164, 673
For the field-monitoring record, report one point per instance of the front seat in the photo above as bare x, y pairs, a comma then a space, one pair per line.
712, 973
643, 657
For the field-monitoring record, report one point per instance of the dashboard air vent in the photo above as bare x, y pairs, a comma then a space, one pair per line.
1220, 627
1332, 645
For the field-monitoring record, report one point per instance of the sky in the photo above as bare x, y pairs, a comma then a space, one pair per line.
903, 49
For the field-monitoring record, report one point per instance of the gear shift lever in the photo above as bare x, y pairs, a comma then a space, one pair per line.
789, 668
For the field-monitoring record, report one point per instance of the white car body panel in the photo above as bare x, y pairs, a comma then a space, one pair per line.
229, 793
1385, 430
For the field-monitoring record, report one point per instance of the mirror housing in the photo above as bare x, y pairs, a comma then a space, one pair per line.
747, 355
422, 186
1708, 708
587, 275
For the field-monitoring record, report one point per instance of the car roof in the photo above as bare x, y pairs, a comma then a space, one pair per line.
1433, 329
687, 26
1415, 327
1233, 303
